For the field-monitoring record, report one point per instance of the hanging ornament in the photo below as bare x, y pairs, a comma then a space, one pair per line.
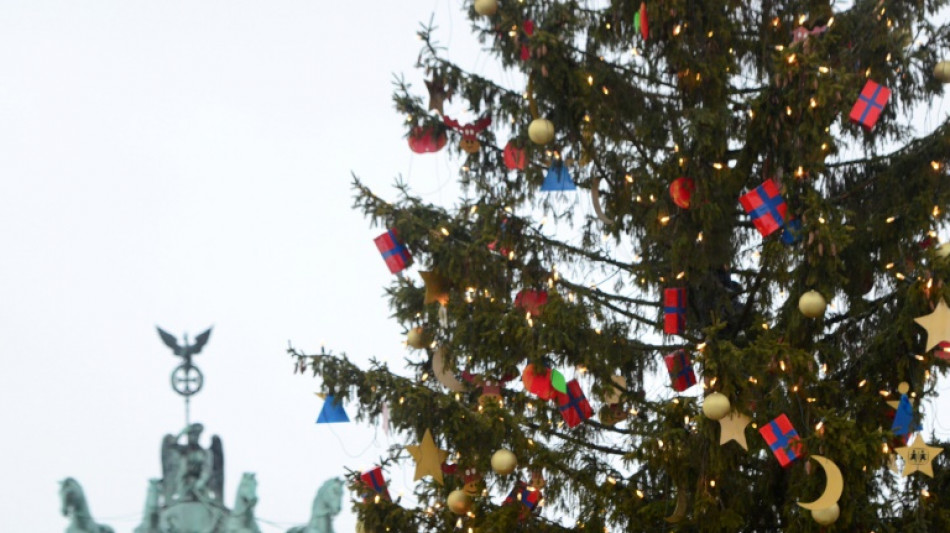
469, 142
438, 93
766, 207
529, 497
537, 381
643, 21
459, 502
826, 516
674, 311
503, 462
375, 483
681, 370
595, 198
486, 8
417, 338
870, 104
681, 190
792, 233
716, 406
558, 178
394, 252
679, 512
532, 301
423, 140
514, 156
833, 487
918, 457
428, 458
573, 405
472, 482
942, 71
903, 418
782, 439
812, 304
943, 251
443, 375
332, 411
732, 428
541, 131
937, 325
437, 287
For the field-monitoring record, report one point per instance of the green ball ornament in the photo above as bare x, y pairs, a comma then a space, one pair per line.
826, 516
541, 131
486, 8
812, 304
942, 71
716, 406
459, 502
503, 462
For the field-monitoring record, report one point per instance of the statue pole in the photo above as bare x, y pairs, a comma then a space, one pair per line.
186, 378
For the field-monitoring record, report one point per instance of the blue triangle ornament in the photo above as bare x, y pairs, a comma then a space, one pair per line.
332, 412
558, 179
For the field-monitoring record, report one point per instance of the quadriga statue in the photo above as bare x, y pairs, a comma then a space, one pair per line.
326, 505
75, 507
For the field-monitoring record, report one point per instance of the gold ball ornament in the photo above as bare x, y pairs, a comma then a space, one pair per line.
943, 251
503, 462
812, 304
942, 71
459, 502
541, 131
417, 338
826, 516
716, 406
486, 8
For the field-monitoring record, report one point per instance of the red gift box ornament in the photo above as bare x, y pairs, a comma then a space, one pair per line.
573, 405
514, 156
870, 103
394, 252
374, 480
782, 439
532, 301
681, 370
529, 496
766, 207
674, 311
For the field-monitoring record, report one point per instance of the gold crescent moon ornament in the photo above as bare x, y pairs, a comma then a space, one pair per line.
679, 513
595, 198
833, 487
446, 378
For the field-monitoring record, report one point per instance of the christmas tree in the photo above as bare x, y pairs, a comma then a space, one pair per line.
744, 330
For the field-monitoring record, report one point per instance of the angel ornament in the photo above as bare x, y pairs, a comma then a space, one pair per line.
190, 472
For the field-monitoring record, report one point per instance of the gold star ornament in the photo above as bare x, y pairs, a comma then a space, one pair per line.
937, 324
428, 458
918, 457
437, 287
732, 427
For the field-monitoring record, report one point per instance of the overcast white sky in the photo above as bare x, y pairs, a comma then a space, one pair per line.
185, 164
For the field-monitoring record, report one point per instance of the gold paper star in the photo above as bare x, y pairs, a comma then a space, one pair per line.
437, 288
428, 458
937, 324
733, 428
902, 388
918, 457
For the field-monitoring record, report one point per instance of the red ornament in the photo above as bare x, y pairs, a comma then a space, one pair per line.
514, 157
681, 190
644, 21
538, 382
424, 140
532, 301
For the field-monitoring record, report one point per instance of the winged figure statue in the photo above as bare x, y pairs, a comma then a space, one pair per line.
190, 472
187, 350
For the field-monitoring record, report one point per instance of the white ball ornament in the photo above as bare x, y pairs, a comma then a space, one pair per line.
826, 516
812, 304
459, 502
541, 131
486, 8
716, 406
503, 462
942, 71
417, 338
943, 251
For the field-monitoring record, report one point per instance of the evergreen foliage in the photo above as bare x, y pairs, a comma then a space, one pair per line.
720, 93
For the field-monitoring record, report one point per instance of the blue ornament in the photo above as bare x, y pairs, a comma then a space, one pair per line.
558, 179
332, 412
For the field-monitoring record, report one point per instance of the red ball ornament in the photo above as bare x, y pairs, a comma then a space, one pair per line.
681, 190
514, 157
538, 381
424, 140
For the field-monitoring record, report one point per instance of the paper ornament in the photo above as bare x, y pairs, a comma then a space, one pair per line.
514, 156
870, 103
674, 311
918, 457
442, 374
681, 190
766, 207
417, 338
681, 370
394, 252
903, 418
428, 458
472, 482
541, 131
531, 301
558, 178
641, 21
902, 389
530, 497
424, 140
615, 389
937, 325
573, 405
679, 512
438, 93
716, 406
826, 516
490, 388
792, 233
942, 71
782, 439
374, 481
437, 287
732, 428
332, 412
469, 142
537, 381
833, 487
503, 462
612, 414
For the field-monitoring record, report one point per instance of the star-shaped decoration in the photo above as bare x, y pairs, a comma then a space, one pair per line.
437, 287
733, 428
438, 93
428, 458
902, 388
918, 457
937, 324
